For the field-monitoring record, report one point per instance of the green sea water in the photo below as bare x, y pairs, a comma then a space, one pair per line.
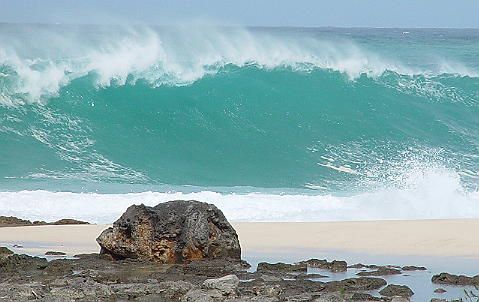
320, 113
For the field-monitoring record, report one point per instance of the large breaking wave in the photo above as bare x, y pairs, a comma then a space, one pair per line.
309, 124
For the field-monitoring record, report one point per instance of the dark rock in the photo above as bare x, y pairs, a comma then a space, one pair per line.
381, 271
396, 290
53, 253
373, 266
446, 278
22, 262
303, 297
211, 268
175, 289
362, 283
270, 278
254, 299
227, 285
347, 297
262, 289
8, 221
21, 292
413, 268
171, 232
80, 289
364, 297
334, 266
282, 267
152, 290
5, 251
60, 267
357, 266
309, 276
198, 295
68, 221
331, 298
368, 266
440, 290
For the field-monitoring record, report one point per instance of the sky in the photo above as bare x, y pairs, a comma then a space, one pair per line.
307, 13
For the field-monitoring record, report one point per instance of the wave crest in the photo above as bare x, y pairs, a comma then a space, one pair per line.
36, 63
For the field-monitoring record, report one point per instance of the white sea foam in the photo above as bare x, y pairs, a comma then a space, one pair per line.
40, 61
432, 194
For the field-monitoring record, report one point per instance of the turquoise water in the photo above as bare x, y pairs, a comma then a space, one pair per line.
327, 116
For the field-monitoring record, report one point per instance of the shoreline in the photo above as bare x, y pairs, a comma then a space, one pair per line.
291, 242
435, 238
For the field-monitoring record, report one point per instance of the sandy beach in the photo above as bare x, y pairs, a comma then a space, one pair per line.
448, 238
444, 238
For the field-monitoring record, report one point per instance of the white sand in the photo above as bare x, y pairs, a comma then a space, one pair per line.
36, 240
456, 238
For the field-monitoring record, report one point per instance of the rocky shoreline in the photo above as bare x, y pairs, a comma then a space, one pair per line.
96, 277
187, 251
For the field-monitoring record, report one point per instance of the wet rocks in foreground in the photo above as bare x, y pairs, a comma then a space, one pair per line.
362, 283
172, 232
396, 290
187, 251
11, 263
309, 276
4, 252
227, 285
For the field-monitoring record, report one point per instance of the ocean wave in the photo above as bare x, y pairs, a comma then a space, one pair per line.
436, 194
35, 64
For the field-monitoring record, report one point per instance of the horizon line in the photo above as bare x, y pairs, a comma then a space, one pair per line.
237, 26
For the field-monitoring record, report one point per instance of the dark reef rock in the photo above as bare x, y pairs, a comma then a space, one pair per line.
6, 221
68, 221
172, 232
304, 276
362, 283
54, 253
446, 278
393, 290
282, 267
94, 277
4, 252
381, 271
17, 263
413, 268
334, 266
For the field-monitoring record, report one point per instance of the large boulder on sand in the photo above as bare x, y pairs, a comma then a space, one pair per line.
172, 232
